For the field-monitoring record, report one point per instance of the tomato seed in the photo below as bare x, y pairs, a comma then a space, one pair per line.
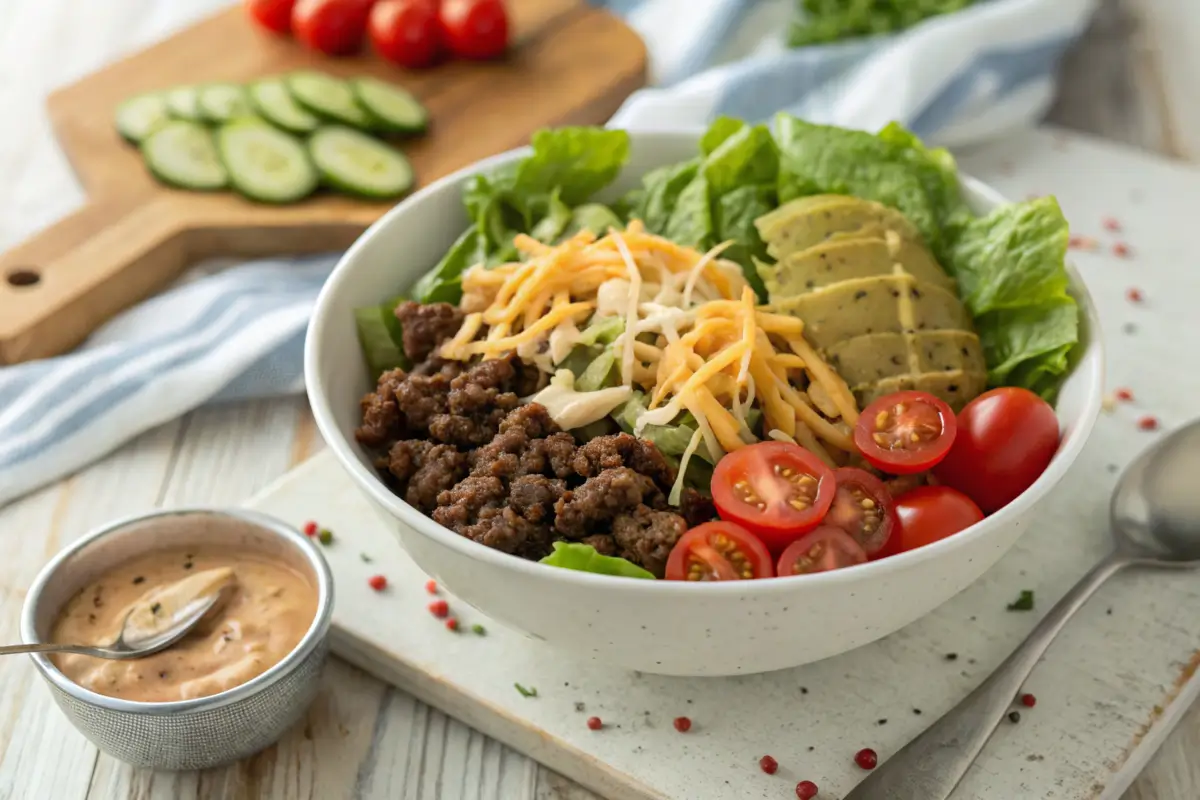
1028, 700
1121, 250
439, 608
1134, 295
310, 528
377, 582
431, 587
1124, 395
866, 758
452, 624
768, 765
683, 724
594, 723
806, 790
1148, 423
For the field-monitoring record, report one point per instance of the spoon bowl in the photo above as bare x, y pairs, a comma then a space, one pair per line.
1155, 509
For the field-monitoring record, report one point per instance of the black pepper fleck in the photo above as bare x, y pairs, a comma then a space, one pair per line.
92, 618
1109, 612
579, 706
917, 711
154, 609
1112, 468
811, 748
163, 674
188, 565
881, 721
951, 656
1129, 328
138, 579
860, 294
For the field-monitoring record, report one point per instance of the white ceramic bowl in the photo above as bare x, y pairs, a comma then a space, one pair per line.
663, 627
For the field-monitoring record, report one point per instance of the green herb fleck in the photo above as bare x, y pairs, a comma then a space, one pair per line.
1024, 601
481, 631
154, 609
366, 558
530, 692
325, 536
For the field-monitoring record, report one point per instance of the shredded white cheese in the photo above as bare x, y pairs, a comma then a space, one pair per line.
677, 488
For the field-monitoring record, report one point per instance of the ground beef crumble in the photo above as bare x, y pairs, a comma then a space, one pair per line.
455, 442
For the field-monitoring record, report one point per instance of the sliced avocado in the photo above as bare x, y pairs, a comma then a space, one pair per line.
876, 356
843, 259
808, 221
956, 388
881, 304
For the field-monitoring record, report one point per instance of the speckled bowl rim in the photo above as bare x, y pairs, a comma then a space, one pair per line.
346, 450
316, 633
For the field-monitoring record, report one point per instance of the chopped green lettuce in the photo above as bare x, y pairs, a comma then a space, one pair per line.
600, 374
584, 558
443, 283
594, 217
558, 216
602, 331
381, 338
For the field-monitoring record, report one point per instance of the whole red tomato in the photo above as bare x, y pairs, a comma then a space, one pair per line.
476, 29
930, 513
333, 27
1006, 438
406, 32
274, 15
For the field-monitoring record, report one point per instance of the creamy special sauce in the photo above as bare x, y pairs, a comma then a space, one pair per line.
269, 608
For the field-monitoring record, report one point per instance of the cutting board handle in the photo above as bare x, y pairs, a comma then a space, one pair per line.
59, 285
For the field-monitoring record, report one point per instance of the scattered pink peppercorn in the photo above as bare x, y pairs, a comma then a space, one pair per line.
310, 528
1028, 700
1111, 224
439, 608
1121, 250
683, 724
866, 758
806, 790
1134, 295
1148, 423
452, 624
1124, 395
594, 723
377, 582
431, 587
768, 765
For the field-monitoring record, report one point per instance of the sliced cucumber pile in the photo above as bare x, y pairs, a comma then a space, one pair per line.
140, 116
328, 98
355, 163
391, 108
222, 102
277, 139
265, 163
182, 154
275, 104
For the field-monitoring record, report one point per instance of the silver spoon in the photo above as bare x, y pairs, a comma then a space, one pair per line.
138, 639
1155, 516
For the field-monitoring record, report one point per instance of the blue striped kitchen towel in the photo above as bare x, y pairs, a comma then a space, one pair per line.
239, 333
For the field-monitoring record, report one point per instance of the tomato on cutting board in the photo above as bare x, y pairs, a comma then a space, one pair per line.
274, 15
821, 550
333, 27
474, 29
719, 551
1006, 438
930, 513
406, 32
777, 490
863, 508
905, 432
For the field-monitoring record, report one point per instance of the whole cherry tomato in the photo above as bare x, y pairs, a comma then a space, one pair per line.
475, 29
333, 27
406, 32
274, 15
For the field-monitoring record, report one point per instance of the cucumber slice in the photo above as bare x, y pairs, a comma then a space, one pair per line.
222, 102
328, 98
182, 154
184, 103
392, 108
272, 100
358, 164
265, 163
140, 116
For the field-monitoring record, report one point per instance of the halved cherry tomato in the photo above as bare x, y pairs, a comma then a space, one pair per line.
719, 551
905, 432
862, 507
778, 490
1006, 438
274, 15
824, 549
930, 513
476, 29
334, 27
406, 32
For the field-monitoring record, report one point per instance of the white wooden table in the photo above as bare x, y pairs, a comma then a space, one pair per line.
1129, 81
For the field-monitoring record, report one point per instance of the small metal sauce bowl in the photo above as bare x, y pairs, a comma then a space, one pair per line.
206, 731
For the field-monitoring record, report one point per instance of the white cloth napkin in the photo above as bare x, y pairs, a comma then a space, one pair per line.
239, 333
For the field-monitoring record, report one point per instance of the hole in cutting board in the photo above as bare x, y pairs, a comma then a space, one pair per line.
23, 277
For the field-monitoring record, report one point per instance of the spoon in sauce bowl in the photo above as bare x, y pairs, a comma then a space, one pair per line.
157, 620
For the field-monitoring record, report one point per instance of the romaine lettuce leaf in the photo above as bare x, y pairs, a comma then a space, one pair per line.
594, 217
1028, 346
558, 216
584, 558
443, 283
655, 201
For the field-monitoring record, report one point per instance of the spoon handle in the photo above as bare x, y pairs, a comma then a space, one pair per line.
931, 765
13, 649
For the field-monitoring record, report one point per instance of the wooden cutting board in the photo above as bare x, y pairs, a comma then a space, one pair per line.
570, 64
1108, 691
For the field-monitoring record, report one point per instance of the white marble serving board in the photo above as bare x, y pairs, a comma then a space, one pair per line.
1108, 691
